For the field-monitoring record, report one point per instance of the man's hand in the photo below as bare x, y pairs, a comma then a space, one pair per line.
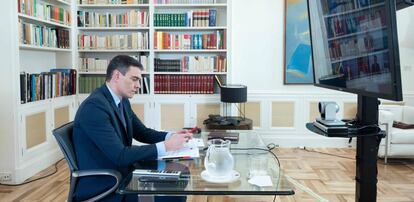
188, 134
176, 141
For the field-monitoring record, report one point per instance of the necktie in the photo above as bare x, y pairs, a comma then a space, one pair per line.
121, 112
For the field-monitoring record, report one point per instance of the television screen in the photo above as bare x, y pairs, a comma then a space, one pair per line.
355, 46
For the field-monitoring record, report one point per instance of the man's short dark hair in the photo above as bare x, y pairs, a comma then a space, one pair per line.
122, 64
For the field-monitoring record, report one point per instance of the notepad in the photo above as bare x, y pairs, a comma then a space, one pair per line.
189, 151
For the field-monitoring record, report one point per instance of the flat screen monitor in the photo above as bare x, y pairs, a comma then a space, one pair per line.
355, 47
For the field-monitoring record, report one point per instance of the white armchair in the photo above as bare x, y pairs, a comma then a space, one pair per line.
398, 142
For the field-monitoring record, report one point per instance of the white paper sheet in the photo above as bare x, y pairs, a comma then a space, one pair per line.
261, 181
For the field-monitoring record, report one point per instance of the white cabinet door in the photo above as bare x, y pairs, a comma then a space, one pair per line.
171, 112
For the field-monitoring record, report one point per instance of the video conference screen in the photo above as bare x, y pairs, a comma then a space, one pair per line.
351, 45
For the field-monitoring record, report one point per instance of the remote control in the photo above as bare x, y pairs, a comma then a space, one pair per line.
161, 174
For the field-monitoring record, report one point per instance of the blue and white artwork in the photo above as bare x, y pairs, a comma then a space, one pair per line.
298, 60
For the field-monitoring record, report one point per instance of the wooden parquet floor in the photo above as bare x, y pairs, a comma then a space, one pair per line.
327, 176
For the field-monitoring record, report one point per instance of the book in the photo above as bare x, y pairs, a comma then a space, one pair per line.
212, 18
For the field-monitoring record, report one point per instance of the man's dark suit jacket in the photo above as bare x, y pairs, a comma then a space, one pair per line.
102, 142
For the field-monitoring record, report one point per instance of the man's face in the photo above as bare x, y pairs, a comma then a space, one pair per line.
129, 84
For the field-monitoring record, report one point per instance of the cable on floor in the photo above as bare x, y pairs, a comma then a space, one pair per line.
304, 148
39, 178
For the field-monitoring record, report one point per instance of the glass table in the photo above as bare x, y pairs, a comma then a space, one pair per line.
249, 146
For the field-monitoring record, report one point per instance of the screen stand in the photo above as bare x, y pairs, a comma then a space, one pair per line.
367, 151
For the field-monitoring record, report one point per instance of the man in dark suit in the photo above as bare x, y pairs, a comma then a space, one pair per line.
105, 125
375, 67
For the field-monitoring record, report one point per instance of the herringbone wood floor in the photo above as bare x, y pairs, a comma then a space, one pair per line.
328, 176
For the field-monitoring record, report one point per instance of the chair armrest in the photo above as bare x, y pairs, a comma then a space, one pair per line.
385, 117
94, 172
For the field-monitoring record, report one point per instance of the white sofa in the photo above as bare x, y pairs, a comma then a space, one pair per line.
398, 142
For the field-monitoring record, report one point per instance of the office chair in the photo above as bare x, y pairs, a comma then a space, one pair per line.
63, 136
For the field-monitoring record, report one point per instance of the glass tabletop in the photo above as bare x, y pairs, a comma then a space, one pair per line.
191, 182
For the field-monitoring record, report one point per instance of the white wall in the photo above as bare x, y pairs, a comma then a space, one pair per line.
405, 23
258, 47
257, 51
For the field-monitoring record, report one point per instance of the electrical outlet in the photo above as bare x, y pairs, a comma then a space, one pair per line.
5, 177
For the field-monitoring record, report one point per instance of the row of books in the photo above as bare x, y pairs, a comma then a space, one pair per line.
101, 64
144, 85
181, 41
88, 83
192, 18
167, 65
82, 2
356, 22
337, 6
358, 45
146, 1
132, 18
136, 40
45, 85
341, 6
43, 36
192, 64
184, 1
184, 84
44, 11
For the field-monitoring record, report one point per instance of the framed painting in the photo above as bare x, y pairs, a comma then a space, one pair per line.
298, 67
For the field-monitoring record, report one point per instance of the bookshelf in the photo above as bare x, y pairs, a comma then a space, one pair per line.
40, 84
152, 111
155, 12
124, 26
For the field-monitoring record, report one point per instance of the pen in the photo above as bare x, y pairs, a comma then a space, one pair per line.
178, 158
192, 130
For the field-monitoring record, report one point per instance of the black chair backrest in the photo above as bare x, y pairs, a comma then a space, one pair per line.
63, 135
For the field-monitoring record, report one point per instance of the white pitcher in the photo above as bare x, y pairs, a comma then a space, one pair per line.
218, 161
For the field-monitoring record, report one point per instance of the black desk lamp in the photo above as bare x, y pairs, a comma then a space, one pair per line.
234, 93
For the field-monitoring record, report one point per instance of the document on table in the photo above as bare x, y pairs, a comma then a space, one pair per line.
189, 151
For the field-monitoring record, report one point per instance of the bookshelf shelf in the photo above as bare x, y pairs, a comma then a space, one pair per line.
113, 28
63, 2
40, 48
101, 72
218, 5
191, 73
44, 22
189, 28
29, 105
91, 73
113, 51
358, 56
192, 51
354, 10
356, 33
113, 6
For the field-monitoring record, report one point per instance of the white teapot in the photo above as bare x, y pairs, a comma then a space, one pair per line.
218, 161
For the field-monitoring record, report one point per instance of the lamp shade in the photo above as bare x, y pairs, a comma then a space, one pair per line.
233, 93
